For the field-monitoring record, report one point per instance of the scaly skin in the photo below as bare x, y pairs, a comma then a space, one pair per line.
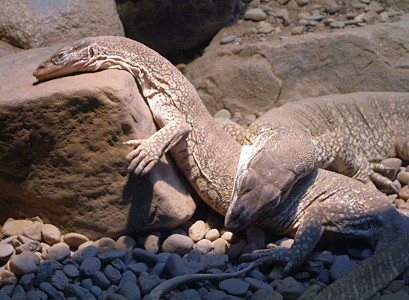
206, 154
345, 132
197, 143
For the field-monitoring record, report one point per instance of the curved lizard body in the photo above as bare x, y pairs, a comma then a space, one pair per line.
204, 152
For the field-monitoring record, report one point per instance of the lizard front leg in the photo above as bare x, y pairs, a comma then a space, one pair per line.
148, 151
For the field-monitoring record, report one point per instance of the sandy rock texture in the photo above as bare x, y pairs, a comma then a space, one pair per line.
38, 23
171, 26
255, 73
62, 158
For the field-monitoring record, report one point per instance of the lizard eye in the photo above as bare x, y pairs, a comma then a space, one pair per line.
61, 56
90, 52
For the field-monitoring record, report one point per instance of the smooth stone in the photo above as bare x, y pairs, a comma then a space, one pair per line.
404, 192
99, 279
109, 256
90, 265
24, 263
264, 28
71, 271
215, 295
47, 269
15, 227
51, 291
137, 268
177, 243
337, 24
34, 231
220, 246
58, 252
105, 244
227, 236
226, 40
74, 240
148, 282
341, 265
125, 243
403, 177
289, 288
51, 234
30, 246
81, 254
255, 14
27, 281
113, 275
256, 284
212, 235
266, 294
234, 286
297, 30
59, 280
145, 256
127, 276
6, 251
130, 291
214, 261
198, 229
176, 266
151, 243
118, 264
78, 292
204, 246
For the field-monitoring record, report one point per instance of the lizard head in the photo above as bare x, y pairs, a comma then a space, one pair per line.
266, 174
68, 60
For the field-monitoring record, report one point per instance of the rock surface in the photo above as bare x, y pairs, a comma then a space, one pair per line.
31, 23
62, 158
256, 73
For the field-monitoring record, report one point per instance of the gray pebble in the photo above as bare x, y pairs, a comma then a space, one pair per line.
337, 24
227, 39
96, 290
145, 256
176, 266
47, 269
99, 279
191, 294
59, 280
109, 256
159, 269
218, 261
87, 283
71, 271
130, 291
215, 295
118, 264
177, 243
81, 254
264, 28
113, 296
58, 252
403, 177
255, 14
112, 274
234, 286
6, 250
24, 263
27, 282
77, 291
342, 264
266, 294
30, 246
256, 284
112, 289
47, 288
127, 276
289, 288
138, 268
90, 265
34, 295
147, 283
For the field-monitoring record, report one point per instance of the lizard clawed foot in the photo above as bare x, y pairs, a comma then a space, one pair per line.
144, 156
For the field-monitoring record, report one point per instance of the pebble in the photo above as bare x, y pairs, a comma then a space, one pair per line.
130, 291
337, 24
109, 256
204, 246
24, 263
27, 281
227, 39
234, 286
255, 14
198, 229
212, 235
256, 235
220, 246
214, 261
341, 265
51, 234
51, 291
215, 295
58, 252
370, 17
125, 243
47, 269
83, 253
90, 265
6, 251
403, 177
302, 2
145, 256
59, 280
99, 279
74, 240
15, 227
289, 287
284, 15
112, 274
256, 284
404, 192
105, 244
266, 294
151, 243
227, 236
176, 266
147, 283
177, 243
71, 271
137, 268
297, 30
264, 27
34, 231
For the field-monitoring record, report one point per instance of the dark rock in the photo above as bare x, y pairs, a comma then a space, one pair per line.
112, 274
90, 265
47, 269
130, 291
145, 256
99, 279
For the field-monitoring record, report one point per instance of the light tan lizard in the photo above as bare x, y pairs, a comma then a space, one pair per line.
204, 152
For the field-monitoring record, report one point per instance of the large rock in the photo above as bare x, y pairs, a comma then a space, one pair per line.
256, 76
62, 158
169, 26
39, 23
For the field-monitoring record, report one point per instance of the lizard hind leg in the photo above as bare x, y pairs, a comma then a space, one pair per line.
402, 147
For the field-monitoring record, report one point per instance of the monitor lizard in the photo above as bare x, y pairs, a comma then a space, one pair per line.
198, 144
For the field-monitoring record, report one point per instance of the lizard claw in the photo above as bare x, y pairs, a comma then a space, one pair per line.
143, 157
393, 187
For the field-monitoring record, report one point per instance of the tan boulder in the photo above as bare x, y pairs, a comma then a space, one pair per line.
62, 158
32, 23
